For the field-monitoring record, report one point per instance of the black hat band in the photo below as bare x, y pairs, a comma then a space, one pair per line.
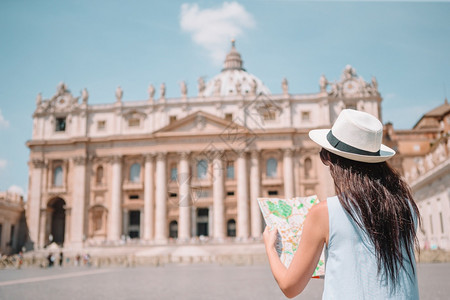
340, 145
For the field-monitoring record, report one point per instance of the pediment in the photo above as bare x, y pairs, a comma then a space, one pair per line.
200, 123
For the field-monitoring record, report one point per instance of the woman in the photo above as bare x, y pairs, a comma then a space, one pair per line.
369, 228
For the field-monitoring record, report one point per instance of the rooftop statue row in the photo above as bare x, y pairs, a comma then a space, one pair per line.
350, 85
233, 80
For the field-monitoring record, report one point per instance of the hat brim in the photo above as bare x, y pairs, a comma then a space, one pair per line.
319, 136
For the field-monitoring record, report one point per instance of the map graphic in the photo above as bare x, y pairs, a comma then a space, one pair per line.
288, 215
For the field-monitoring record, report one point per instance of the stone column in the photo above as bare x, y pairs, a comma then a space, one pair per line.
242, 197
37, 167
115, 215
288, 174
218, 198
161, 199
78, 202
255, 192
149, 198
193, 221
45, 229
184, 178
210, 220
125, 221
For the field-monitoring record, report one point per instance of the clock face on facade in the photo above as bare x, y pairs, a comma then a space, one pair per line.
350, 87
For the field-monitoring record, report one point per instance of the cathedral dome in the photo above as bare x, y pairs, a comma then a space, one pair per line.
234, 80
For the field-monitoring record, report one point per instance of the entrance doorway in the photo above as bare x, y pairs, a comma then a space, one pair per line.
202, 222
134, 226
58, 220
173, 229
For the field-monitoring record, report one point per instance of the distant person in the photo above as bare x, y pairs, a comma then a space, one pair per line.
77, 260
20, 260
61, 258
50, 259
368, 229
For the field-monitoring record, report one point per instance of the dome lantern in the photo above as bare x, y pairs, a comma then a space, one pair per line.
233, 60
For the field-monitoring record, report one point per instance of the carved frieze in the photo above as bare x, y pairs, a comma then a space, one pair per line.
38, 163
115, 159
79, 160
288, 152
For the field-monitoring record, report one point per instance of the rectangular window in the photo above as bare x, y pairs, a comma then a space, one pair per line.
269, 115
229, 117
273, 193
173, 195
135, 217
306, 116
172, 119
134, 122
230, 193
173, 174
230, 169
101, 125
133, 197
60, 124
202, 194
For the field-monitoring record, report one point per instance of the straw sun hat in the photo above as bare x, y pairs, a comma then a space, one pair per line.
355, 135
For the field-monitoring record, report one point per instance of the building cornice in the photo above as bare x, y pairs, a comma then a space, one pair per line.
430, 176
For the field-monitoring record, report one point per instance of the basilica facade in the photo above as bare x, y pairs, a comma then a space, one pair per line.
176, 169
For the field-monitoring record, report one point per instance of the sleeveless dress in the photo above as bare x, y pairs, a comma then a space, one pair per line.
351, 266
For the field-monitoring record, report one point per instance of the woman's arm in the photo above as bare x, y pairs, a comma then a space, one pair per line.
293, 280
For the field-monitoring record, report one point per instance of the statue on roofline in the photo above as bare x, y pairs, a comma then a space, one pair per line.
284, 86
183, 87
201, 86
151, 91
38, 99
163, 90
323, 83
119, 94
84, 95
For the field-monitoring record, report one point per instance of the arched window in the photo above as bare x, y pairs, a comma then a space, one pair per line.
135, 172
97, 219
308, 167
58, 176
271, 167
202, 167
99, 175
173, 229
231, 228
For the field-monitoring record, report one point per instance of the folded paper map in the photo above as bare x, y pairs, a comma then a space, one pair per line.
288, 215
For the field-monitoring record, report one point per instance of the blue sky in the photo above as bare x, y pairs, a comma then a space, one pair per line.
100, 45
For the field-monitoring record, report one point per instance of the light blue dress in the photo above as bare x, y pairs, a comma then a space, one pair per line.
351, 266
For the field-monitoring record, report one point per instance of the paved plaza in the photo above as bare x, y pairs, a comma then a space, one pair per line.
176, 281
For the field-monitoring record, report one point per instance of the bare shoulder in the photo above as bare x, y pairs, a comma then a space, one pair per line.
317, 220
319, 210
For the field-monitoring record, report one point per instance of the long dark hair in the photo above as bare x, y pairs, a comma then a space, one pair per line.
380, 202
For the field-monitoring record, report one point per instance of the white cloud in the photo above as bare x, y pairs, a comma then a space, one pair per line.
3, 122
3, 163
214, 28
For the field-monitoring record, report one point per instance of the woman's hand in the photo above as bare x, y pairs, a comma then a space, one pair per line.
270, 237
